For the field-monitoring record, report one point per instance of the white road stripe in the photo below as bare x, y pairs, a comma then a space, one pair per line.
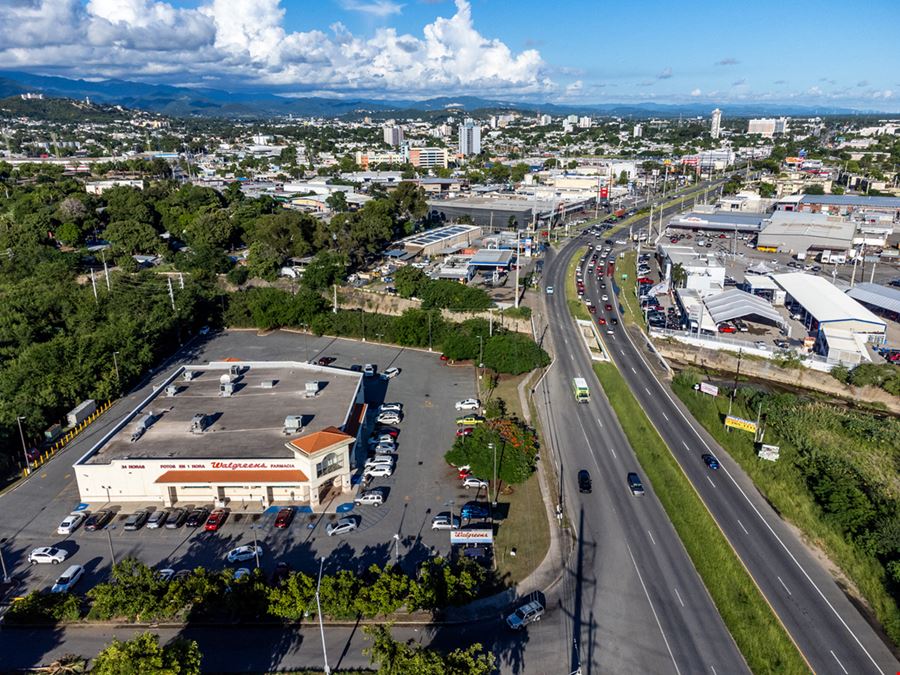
742, 527
650, 534
633, 370
710, 481
599, 422
678, 595
653, 609
839, 663
648, 391
666, 416
785, 586
622, 351
685, 445
613, 451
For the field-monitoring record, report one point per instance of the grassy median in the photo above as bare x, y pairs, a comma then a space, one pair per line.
761, 638
627, 298
576, 306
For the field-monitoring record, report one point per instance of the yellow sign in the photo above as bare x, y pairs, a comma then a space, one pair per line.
739, 423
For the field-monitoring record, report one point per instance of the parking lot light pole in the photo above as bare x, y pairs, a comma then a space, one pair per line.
319, 613
112, 554
397, 547
116, 364
3, 562
106, 487
24, 449
494, 450
255, 546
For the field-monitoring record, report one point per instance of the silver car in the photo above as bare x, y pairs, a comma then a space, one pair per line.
343, 526
157, 519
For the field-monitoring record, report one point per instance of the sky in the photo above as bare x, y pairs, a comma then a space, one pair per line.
802, 52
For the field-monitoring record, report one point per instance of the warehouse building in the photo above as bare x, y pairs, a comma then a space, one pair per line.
841, 204
501, 212
719, 221
794, 232
232, 432
883, 300
440, 240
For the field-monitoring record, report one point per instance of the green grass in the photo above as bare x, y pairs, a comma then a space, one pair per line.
782, 485
576, 306
627, 297
761, 638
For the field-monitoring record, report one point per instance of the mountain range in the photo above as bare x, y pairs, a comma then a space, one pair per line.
184, 102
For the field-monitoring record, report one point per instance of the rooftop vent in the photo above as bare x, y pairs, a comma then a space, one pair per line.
293, 424
171, 390
143, 424
188, 375
267, 384
312, 389
199, 422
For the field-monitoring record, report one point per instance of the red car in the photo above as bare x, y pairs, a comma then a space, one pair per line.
284, 518
215, 520
464, 473
326, 360
645, 280
608, 307
444, 357
601, 321
464, 431
725, 328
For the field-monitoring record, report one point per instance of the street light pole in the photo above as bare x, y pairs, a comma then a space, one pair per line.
319, 612
480, 351
116, 364
106, 487
255, 547
112, 554
24, 449
494, 449
3, 562
397, 548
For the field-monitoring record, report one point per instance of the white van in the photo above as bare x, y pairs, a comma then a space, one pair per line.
68, 579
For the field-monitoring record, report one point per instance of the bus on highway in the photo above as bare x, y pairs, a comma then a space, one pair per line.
582, 393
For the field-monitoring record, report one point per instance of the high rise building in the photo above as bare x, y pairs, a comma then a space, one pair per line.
768, 127
393, 135
715, 127
638, 131
584, 122
545, 120
469, 138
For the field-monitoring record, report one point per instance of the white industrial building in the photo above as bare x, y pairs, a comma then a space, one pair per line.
798, 232
252, 432
705, 271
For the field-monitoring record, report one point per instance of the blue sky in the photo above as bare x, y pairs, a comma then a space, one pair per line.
815, 53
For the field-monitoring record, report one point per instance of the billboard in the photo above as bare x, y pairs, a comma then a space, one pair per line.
708, 388
740, 423
604, 193
769, 452
472, 536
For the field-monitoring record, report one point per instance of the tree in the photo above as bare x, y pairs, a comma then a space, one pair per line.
143, 655
325, 269
679, 275
409, 281
513, 353
130, 237
337, 201
294, 598
514, 444
815, 189
767, 190
396, 658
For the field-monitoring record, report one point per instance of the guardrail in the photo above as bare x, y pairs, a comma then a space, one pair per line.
67, 438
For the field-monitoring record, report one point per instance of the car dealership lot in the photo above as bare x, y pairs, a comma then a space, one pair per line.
421, 486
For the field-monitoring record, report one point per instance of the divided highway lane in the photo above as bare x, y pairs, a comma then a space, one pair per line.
632, 595
828, 629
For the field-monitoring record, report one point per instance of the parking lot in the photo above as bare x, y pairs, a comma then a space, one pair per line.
421, 486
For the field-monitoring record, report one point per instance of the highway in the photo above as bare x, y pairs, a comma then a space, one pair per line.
830, 632
631, 596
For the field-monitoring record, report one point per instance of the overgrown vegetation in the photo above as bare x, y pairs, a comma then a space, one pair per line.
397, 658
884, 375
751, 621
836, 479
144, 655
412, 282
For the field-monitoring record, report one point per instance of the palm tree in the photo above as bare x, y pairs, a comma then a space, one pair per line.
70, 664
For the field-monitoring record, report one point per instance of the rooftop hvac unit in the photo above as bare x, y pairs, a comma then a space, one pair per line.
235, 370
293, 424
143, 424
312, 389
267, 384
188, 375
171, 390
226, 389
199, 423
227, 378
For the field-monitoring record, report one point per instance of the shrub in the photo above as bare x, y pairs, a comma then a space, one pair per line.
514, 353
38, 607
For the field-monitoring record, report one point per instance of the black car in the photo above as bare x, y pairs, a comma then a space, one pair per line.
136, 520
584, 481
176, 519
98, 520
635, 484
197, 518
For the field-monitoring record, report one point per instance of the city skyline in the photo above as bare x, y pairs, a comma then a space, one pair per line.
530, 52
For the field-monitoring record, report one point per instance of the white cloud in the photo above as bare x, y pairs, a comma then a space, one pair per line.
665, 74
575, 87
729, 61
696, 92
244, 43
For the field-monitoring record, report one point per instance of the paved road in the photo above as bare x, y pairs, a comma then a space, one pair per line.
632, 598
831, 633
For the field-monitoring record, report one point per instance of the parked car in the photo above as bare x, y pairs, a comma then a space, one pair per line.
68, 579
176, 518
47, 554
465, 431
342, 526
369, 369
469, 420
98, 520
393, 432
584, 481
634, 484
136, 520
380, 471
326, 360
284, 518
241, 573
157, 519
197, 517
370, 497
380, 460
390, 373
474, 510
726, 328
242, 553
444, 521
389, 417
524, 615
165, 574
762, 346
472, 482
215, 520
468, 404
71, 522
390, 407
710, 461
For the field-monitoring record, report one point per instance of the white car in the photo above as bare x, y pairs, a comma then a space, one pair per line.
379, 471
762, 346
390, 373
385, 449
343, 526
604, 298
549, 290
444, 521
378, 439
47, 554
390, 407
468, 404
472, 482
388, 418
371, 497
369, 369
242, 553
71, 523
380, 460
67, 579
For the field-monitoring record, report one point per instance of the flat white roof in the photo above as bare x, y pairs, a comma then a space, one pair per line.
825, 301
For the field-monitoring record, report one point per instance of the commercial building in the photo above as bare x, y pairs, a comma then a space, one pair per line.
704, 272
428, 158
393, 135
503, 212
232, 432
440, 240
469, 138
719, 221
715, 127
372, 158
100, 186
842, 204
794, 232
710, 160
882, 300
768, 127
736, 304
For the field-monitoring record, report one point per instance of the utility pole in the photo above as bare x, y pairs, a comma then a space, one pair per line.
105, 269
171, 292
94, 285
480, 351
519, 263
181, 281
319, 612
3, 562
24, 449
494, 450
116, 364
334, 306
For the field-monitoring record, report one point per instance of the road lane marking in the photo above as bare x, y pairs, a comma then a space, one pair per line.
785, 585
599, 422
685, 445
622, 351
633, 370
742, 526
650, 534
648, 391
710, 481
613, 451
653, 609
713, 669
678, 595
839, 662
666, 416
